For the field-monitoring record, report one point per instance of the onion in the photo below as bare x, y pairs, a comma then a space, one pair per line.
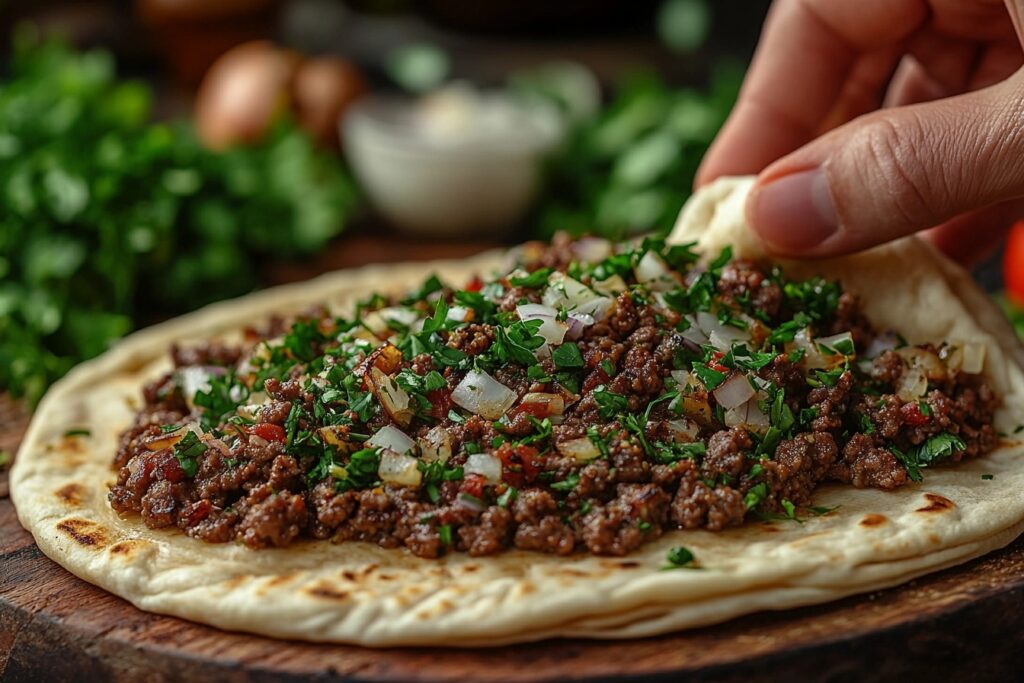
484, 464
551, 329
459, 314
684, 379
242, 94
693, 333
553, 404
565, 292
192, 380
653, 272
839, 343
748, 415
578, 322
218, 445
470, 503
436, 445
721, 336
591, 249
912, 385
812, 358
392, 397
323, 89
925, 359
402, 315
684, 430
886, 341
974, 358
580, 450
612, 285
480, 393
734, 391
393, 439
396, 468
158, 443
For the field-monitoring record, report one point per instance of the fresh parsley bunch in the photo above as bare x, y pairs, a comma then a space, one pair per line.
108, 221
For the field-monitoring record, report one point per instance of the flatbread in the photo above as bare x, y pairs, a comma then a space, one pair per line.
361, 593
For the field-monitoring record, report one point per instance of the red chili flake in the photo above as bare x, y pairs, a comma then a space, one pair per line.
269, 432
912, 415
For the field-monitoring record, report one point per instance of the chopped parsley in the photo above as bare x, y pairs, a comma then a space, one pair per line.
567, 356
187, 451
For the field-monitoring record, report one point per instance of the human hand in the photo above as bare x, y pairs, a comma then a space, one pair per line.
946, 149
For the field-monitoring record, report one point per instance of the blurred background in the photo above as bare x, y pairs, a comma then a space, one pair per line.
156, 155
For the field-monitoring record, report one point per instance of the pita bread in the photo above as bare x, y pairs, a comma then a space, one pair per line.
361, 593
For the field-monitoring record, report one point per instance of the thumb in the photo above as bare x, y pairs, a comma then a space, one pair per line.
892, 173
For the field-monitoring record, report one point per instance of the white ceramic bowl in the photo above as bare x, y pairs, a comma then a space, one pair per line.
477, 176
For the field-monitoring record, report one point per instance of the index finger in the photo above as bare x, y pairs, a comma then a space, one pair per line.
805, 56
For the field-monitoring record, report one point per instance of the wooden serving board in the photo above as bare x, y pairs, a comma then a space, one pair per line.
962, 624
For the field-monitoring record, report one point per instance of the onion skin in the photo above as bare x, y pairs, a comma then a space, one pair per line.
243, 93
323, 89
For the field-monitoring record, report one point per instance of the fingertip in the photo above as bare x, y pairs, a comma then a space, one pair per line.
794, 215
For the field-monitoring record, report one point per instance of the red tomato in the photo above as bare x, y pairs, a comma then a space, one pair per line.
714, 364
912, 415
1013, 264
475, 284
538, 410
520, 464
171, 469
473, 484
270, 432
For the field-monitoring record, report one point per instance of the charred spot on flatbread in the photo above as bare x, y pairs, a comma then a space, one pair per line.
84, 532
71, 494
873, 519
937, 503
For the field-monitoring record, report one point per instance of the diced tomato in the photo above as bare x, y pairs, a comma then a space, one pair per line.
473, 484
520, 464
440, 403
269, 432
475, 284
714, 364
1013, 264
912, 415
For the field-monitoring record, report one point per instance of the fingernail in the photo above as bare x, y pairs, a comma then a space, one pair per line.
796, 212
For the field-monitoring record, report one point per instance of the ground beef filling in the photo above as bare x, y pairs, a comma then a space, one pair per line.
248, 480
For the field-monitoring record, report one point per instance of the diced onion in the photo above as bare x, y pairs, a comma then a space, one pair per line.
391, 438
974, 358
925, 359
392, 397
480, 393
565, 292
653, 272
613, 285
591, 249
840, 343
552, 404
734, 391
459, 314
192, 380
683, 429
694, 333
552, 329
812, 358
685, 379
912, 385
580, 450
399, 469
578, 323
748, 415
721, 336
484, 464
464, 500
886, 341
381, 321
436, 445
163, 441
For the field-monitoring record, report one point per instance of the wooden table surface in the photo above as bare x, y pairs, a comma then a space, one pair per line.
962, 624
